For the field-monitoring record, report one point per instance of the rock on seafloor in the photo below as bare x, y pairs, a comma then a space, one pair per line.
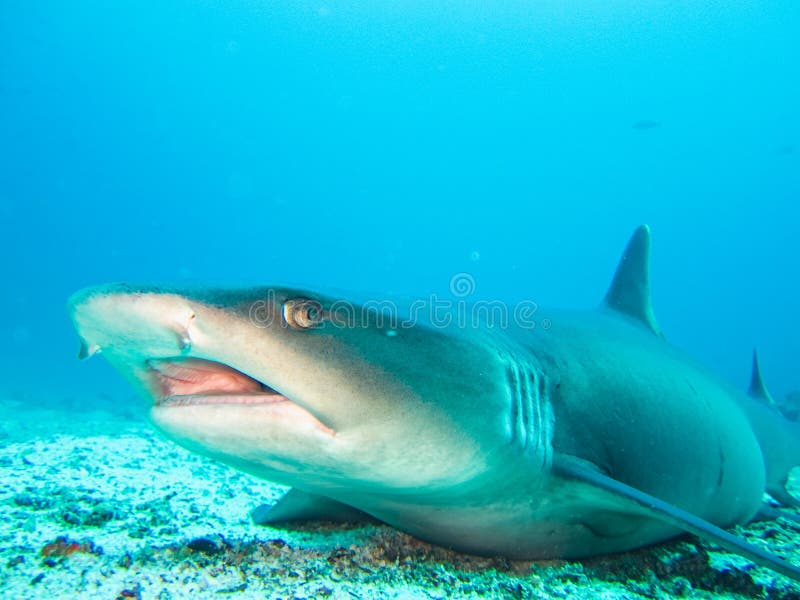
103, 507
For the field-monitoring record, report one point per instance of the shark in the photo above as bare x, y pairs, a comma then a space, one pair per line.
590, 436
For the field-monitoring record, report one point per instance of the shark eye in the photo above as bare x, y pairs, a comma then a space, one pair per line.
303, 313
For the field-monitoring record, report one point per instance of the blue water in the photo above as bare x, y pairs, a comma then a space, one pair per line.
388, 145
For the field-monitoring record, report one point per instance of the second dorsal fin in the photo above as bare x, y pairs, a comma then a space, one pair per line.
758, 389
629, 293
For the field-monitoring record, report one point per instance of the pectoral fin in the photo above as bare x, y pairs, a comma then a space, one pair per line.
297, 505
576, 469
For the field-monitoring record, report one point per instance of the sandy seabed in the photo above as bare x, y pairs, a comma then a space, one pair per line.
95, 504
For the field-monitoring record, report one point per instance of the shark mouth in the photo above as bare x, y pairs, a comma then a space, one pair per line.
193, 381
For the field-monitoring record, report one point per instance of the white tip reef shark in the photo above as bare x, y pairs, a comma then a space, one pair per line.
591, 436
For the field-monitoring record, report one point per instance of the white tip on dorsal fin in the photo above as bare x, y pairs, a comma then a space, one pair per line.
630, 290
757, 388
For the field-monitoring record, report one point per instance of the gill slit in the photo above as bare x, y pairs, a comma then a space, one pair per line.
530, 412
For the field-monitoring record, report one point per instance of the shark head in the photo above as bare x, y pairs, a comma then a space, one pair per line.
305, 389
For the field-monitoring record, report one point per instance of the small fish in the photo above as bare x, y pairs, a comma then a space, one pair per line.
645, 124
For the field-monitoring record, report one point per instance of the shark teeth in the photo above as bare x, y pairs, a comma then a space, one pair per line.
221, 399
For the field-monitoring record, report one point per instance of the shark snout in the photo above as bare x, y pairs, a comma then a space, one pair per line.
181, 350
114, 319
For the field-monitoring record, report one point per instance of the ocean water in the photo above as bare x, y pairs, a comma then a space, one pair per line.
386, 146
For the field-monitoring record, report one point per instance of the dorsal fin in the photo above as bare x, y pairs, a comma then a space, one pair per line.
630, 290
757, 388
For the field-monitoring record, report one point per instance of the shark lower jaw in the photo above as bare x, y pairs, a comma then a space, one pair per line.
195, 382
206, 399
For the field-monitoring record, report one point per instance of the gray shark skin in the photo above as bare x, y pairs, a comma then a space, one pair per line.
588, 437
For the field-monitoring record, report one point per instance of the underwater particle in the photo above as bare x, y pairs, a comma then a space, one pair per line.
139, 532
23, 499
72, 517
17, 560
645, 124
391, 333
31, 459
125, 561
790, 407
63, 546
204, 546
30, 524
37, 579
130, 593
240, 186
345, 102
233, 589
474, 256
101, 515
680, 586
21, 335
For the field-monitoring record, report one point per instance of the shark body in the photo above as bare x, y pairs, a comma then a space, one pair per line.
591, 436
